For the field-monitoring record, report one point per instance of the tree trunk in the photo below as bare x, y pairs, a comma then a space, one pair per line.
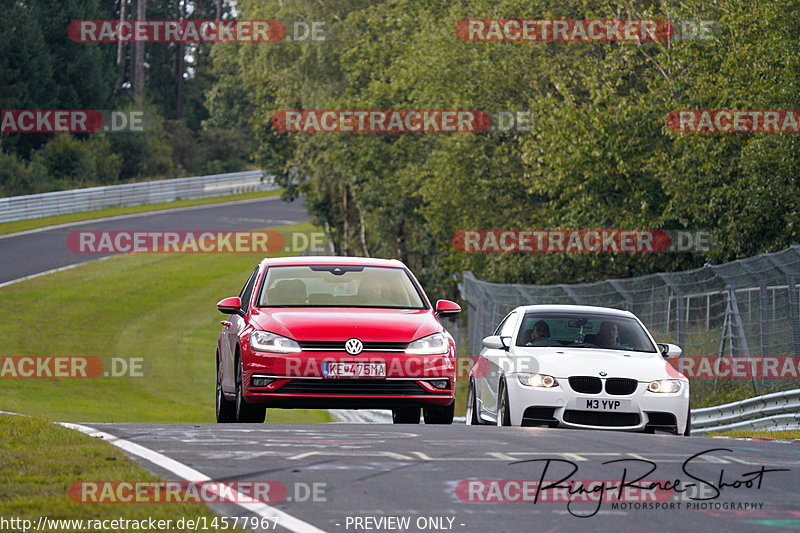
121, 45
363, 226
180, 51
345, 224
138, 56
219, 9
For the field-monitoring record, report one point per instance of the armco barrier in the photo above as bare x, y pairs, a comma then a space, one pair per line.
771, 412
61, 202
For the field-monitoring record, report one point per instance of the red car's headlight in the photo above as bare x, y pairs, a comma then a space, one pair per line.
264, 341
430, 345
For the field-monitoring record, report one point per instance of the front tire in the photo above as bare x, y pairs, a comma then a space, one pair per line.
471, 413
688, 431
435, 414
247, 412
226, 409
405, 415
503, 411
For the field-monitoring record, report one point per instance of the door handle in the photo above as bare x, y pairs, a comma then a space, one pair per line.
225, 323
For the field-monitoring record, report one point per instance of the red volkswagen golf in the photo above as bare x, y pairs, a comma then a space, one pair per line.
335, 332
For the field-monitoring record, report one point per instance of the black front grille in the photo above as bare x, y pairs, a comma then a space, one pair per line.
597, 418
338, 346
356, 387
586, 384
621, 386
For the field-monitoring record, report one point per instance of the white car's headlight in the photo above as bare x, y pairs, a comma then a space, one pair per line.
664, 385
264, 341
430, 345
537, 380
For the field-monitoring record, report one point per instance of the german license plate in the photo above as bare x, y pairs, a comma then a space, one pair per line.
603, 404
353, 370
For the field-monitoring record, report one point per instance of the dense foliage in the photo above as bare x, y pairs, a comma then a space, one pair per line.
598, 155
41, 68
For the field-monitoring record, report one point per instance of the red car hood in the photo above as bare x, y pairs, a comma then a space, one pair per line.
340, 324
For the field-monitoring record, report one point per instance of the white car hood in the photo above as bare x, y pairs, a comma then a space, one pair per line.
565, 362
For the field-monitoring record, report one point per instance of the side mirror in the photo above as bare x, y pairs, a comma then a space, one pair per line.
230, 306
496, 342
447, 308
670, 350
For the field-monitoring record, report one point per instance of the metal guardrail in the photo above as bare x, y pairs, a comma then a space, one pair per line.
150, 192
772, 412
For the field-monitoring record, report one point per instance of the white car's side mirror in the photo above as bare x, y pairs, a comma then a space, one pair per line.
670, 350
495, 342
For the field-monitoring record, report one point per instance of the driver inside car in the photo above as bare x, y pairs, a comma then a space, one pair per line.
540, 334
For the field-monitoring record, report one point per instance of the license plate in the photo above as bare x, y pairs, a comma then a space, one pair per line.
353, 370
603, 404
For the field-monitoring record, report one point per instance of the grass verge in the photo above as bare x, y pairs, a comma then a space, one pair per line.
158, 309
40, 460
789, 435
24, 225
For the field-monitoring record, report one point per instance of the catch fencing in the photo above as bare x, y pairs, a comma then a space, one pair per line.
150, 192
749, 307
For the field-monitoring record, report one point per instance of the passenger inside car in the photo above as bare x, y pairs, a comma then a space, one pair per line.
539, 335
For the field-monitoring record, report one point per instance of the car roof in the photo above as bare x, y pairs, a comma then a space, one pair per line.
333, 260
576, 309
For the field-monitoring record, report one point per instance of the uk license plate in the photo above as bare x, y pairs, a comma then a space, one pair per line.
603, 404
353, 369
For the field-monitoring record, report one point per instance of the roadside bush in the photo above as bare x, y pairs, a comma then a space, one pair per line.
69, 163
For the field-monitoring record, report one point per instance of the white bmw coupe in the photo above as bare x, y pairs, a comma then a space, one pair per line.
577, 367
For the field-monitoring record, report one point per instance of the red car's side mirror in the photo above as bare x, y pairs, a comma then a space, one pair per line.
447, 308
230, 306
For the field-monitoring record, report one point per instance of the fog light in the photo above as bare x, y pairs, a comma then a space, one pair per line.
260, 382
440, 383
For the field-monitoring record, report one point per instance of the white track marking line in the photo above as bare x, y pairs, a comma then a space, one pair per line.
503, 456
285, 520
53, 271
134, 215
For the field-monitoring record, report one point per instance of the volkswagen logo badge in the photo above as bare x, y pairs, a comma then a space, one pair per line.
353, 346
603, 374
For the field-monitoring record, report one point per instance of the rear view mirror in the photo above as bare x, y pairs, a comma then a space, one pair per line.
580, 323
230, 306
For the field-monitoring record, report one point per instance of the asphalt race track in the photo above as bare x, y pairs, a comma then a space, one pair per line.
414, 471
32, 252
420, 474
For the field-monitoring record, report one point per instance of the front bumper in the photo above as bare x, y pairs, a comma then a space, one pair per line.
298, 381
560, 406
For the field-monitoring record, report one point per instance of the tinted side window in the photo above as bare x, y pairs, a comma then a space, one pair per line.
247, 291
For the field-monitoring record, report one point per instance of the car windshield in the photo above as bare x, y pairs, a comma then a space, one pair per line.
579, 330
339, 286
